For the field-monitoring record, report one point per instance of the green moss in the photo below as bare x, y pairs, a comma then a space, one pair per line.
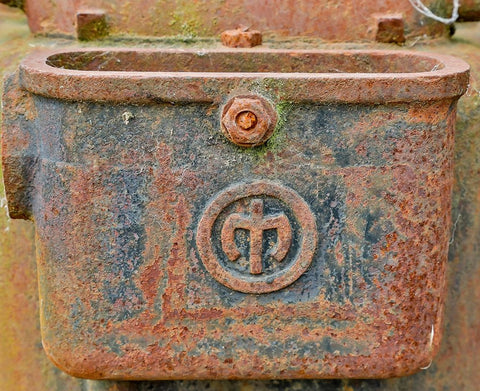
186, 22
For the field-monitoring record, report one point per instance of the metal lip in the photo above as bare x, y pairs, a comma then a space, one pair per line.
450, 80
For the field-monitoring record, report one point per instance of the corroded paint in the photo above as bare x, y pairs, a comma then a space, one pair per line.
455, 367
118, 204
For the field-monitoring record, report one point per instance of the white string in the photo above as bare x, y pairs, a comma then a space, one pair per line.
420, 7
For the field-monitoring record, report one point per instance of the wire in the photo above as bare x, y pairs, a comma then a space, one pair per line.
420, 7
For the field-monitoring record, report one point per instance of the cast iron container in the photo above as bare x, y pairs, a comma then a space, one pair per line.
167, 251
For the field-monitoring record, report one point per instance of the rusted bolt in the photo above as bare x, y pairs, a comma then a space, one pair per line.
248, 121
389, 28
91, 25
241, 38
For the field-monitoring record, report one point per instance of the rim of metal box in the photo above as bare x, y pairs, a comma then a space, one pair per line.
149, 87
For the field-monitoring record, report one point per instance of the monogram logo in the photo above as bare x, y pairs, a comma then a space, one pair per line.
256, 224
257, 238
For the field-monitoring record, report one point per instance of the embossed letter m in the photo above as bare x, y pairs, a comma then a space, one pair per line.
256, 223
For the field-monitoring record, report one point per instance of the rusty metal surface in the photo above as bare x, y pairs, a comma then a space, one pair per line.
454, 368
314, 76
127, 292
469, 10
346, 20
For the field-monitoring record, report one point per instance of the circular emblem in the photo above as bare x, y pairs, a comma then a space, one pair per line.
257, 237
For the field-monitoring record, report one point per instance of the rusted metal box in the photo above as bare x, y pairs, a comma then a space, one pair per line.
235, 214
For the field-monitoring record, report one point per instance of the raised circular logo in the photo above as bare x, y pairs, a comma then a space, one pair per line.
257, 237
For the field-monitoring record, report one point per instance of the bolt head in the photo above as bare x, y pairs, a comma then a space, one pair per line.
241, 38
248, 121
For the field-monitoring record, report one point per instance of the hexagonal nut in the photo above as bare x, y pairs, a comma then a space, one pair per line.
248, 121
241, 38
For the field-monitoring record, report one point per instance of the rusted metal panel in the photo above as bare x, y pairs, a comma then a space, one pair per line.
455, 367
135, 204
346, 20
